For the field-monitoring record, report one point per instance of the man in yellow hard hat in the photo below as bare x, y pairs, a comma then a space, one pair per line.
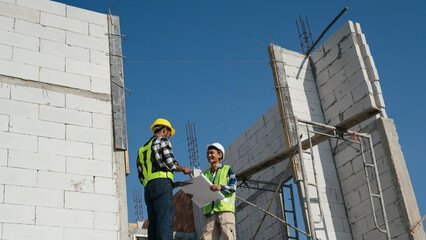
156, 165
219, 215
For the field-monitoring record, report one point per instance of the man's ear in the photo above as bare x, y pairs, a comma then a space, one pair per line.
221, 156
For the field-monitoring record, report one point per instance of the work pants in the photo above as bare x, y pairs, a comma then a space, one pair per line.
220, 223
159, 203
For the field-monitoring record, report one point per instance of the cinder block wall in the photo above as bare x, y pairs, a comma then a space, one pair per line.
58, 175
348, 83
336, 83
297, 81
260, 141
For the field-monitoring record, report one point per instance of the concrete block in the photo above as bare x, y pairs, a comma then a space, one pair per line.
104, 186
80, 40
67, 182
64, 23
102, 121
18, 70
87, 69
354, 181
82, 103
37, 95
64, 217
1, 198
295, 59
106, 221
373, 75
345, 171
91, 202
317, 54
357, 28
307, 86
23, 231
361, 91
102, 152
62, 115
98, 57
45, 6
4, 123
38, 59
64, 50
5, 52
64, 79
90, 135
340, 106
36, 161
89, 167
70, 234
354, 66
19, 40
3, 157
86, 15
39, 31
5, 90
98, 31
6, 23
18, 177
299, 73
18, 141
8, 1
19, 12
337, 37
346, 88
34, 196
100, 85
360, 106
37, 127
17, 214
64, 147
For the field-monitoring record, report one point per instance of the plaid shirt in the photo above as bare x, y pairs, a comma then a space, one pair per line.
232, 180
161, 157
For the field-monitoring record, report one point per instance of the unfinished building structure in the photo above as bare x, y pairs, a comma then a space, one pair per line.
63, 137
330, 135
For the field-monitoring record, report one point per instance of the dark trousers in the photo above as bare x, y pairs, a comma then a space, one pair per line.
159, 202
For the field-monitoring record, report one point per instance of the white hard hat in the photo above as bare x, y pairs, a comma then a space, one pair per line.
217, 146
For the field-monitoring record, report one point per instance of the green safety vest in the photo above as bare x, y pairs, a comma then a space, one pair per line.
228, 203
145, 153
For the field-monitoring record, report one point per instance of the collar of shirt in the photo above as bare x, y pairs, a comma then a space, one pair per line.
215, 171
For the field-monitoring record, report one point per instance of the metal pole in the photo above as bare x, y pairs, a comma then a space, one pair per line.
328, 27
272, 215
385, 218
305, 182
315, 175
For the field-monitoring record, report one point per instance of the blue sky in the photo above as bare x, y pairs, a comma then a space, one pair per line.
206, 62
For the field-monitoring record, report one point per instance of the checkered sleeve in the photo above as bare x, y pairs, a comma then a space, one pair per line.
140, 169
232, 182
163, 153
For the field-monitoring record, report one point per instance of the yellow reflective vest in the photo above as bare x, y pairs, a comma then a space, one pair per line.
228, 203
145, 154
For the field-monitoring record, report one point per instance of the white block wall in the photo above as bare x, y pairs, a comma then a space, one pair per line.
343, 84
54, 43
57, 178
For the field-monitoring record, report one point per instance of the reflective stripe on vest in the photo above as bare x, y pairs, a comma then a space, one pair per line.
145, 160
228, 203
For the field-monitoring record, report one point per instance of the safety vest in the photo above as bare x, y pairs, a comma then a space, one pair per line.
228, 203
145, 154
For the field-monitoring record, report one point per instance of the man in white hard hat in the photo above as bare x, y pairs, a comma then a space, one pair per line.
156, 165
219, 215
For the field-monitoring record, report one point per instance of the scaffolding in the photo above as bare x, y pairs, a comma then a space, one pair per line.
315, 134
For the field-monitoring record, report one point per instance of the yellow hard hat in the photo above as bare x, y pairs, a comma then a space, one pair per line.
163, 122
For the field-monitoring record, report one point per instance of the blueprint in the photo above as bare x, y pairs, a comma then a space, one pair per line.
199, 187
